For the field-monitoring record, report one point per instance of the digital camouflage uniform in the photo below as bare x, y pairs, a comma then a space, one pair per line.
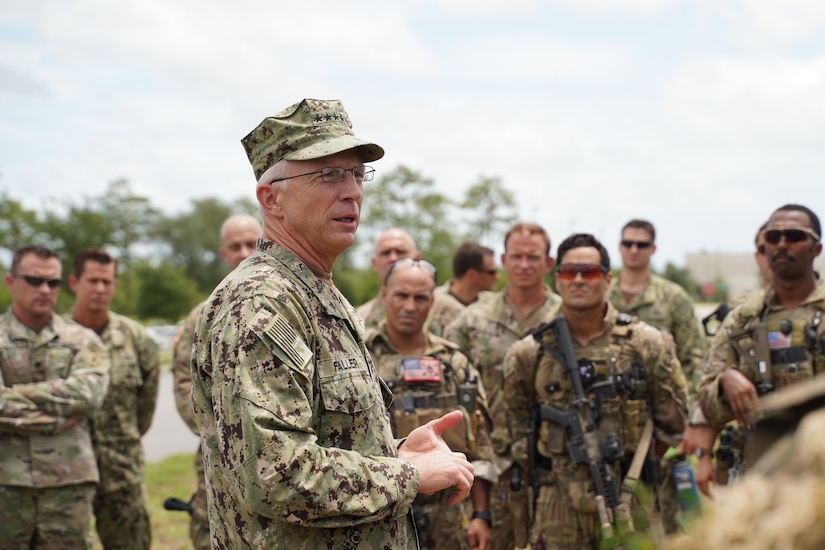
566, 514
182, 374
665, 305
796, 352
440, 524
121, 508
483, 331
48, 470
296, 435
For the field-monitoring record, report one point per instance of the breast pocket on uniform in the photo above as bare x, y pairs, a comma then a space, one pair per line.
351, 389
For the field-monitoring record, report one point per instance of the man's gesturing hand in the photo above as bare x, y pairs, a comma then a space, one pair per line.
438, 467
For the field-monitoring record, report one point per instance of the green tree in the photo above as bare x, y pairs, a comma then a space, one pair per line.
165, 292
490, 209
407, 199
192, 239
19, 226
682, 277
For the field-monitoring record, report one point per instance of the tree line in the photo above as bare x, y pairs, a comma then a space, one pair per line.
168, 262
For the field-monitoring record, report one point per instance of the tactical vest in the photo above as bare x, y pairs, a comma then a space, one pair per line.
419, 398
615, 384
777, 349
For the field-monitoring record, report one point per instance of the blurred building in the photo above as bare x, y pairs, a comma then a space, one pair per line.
737, 271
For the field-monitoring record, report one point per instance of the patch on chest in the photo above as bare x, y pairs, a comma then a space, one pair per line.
420, 369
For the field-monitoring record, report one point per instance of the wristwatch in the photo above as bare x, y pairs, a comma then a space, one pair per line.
485, 515
701, 451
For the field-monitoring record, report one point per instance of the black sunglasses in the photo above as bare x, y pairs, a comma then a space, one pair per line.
796, 235
37, 281
641, 245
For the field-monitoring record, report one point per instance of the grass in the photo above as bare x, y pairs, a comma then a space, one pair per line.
172, 477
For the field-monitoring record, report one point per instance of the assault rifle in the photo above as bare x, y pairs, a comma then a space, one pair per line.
583, 438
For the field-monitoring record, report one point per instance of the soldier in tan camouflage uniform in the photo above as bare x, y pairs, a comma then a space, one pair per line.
120, 506
239, 235
474, 272
780, 503
484, 331
295, 431
392, 244
666, 306
633, 365
53, 376
774, 339
395, 243
429, 377
655, 300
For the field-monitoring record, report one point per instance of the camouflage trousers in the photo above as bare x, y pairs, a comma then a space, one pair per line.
199, 520
561, 526
122, 518
510, 514
57, 518
440, 525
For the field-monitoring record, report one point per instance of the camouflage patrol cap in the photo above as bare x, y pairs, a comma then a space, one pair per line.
309, 129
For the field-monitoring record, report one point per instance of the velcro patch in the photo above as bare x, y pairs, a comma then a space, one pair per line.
287, 339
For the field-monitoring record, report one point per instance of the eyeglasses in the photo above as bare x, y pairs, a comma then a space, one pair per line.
795, 235
641, 245
487, 271
589, 272
37, 281
334, 175
410, 262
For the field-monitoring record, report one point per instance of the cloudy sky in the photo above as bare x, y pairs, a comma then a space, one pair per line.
702, 116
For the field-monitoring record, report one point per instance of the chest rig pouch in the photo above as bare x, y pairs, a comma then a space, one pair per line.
616, 387
427, 389
776, 351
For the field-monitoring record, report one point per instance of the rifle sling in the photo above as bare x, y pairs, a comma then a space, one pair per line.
635, 469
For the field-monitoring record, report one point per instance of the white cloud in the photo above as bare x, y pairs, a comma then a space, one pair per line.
765, 24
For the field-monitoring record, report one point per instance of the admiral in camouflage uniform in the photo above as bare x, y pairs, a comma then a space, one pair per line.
775, 339
121, 507
239, 234
293, 418
428, 377
484, 331
53, 376
609, 347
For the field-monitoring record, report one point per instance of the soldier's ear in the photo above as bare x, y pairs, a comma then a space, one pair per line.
817, 248
268, 197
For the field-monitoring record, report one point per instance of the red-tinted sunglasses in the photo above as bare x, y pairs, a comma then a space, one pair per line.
589, 272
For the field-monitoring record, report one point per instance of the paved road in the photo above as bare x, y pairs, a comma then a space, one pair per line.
168, 434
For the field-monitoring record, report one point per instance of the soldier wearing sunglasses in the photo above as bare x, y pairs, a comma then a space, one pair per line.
631, 378
665, 305
773, 340
54, 374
